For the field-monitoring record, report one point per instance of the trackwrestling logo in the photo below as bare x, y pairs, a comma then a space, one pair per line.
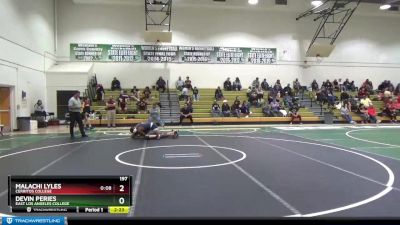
33, 220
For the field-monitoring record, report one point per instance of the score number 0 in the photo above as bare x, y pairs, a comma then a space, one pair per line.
122, 189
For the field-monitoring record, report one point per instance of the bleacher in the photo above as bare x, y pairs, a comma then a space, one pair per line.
121, 119
202, 110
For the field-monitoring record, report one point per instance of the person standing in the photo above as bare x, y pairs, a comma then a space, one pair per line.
111, 106
74, 107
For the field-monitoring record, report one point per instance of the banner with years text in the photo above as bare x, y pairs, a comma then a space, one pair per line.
171, 54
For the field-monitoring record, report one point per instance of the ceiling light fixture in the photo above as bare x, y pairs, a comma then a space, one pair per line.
316, 3
253, 2
385, 7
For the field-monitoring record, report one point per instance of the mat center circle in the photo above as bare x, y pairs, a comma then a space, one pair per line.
171, 155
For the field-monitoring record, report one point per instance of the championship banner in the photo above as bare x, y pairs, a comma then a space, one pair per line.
172, 54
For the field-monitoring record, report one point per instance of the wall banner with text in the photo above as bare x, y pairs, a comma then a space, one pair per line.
171, 54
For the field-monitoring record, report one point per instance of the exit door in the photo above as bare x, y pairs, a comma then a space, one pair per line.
5, 109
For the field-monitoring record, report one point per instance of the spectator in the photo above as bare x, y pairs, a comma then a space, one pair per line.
39, 109
227, 85
362, 92
218, 94
196, 96
245, 109
85, 113
160, 85
226, 110
100, 92
346, 85
155, 115
142, 106
264, 85
397, 90
288, 101
186, 113
188, 83
236, 85
296, 87
260, 93
122, 102
314, 85
215, 109
147, 94
352, 86
345, 112
390, 111
255, 83
115, 85
278, 86
185, 94
366, 101
111, 107
331, 98
367, 85
189, 101
135, 93
253, 99
387, 96
372, 114
295, 115
179, 84
235, 108
344, 96
287, 89
335, 85
248, 92
267, 111
275, 108
74, 107
364, 113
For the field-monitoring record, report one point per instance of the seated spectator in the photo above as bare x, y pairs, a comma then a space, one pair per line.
330, 97
236, 85
185, 94
314, 85
260, 92
267, 111
215, 109
226, 109
367, 85
372, 114
346, 85
135, 93
248, 92
227, 85
275, 108
295, 115
328, 85
196, 95
287, 100
365, 101
253, 99
235, 108
278, 85
387, 96
353, 86
245, 109
189, 101
147, 94
255, 83
397, 90
265, 85
100, 92
287, 89
161, 84
362, 92
142, 106
122, 102
335, 85
188, 83
390, 86
179, 84
344, 96
186, 113
218, 94
296, 87
115, 85
39, 109
363, 110
345, 112
391, 111
155, 116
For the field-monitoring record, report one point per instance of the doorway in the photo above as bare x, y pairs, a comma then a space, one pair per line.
5, 108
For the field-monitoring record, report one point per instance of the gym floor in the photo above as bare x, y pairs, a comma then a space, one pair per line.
228, 171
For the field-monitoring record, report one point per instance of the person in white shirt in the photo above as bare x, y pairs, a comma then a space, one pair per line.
366, 101
179, 84
74, 107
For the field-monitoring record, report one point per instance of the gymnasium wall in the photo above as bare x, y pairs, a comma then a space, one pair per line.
365, 48
26, 42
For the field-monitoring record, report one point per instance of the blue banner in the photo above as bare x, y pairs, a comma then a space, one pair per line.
26, 220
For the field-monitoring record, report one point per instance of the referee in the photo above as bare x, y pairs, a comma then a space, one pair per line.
74, 106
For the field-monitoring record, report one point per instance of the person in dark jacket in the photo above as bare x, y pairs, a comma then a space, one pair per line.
115, 85
160, 85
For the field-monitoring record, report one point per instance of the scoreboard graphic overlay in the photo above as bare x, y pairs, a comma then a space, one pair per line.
70, 194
